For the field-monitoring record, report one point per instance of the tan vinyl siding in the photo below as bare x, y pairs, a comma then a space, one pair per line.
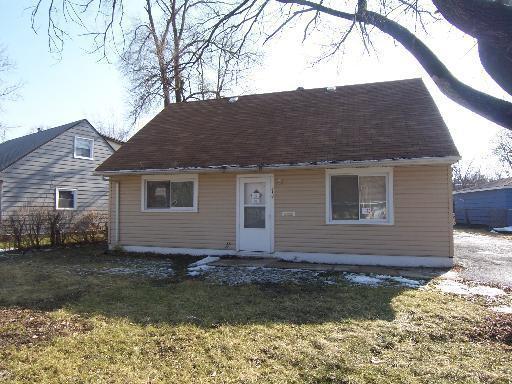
213, 226
422, 216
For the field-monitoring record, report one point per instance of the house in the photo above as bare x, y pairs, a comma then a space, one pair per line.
356, 174
54, 168
113, 142
489, 204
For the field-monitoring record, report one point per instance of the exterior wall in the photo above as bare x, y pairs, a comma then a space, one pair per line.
422, 216
213, 226
492, 208
32, 180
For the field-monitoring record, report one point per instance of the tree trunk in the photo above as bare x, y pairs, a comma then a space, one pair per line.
490, 22
160, 54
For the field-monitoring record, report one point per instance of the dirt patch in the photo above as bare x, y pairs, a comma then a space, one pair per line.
20, 327
496, 327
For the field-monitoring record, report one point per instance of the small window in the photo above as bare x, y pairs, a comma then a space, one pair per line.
178, 193
359, 197
65, 198
84, 148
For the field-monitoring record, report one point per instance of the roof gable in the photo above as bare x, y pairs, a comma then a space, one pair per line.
389, 120
13, 150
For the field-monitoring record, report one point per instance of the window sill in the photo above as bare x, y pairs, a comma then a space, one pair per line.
359, 222
83, 158
167, 210
65, 209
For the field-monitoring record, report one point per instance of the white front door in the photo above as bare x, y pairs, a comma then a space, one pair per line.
255, 213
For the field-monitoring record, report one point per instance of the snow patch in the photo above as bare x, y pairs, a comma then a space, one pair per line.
200, 267
503, 229
259, 275
450, 275
502, 309
404, 281
364, 280
206, 260
198, 270
458, 288
382, 279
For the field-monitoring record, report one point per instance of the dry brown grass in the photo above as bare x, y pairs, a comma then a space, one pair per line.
188, 331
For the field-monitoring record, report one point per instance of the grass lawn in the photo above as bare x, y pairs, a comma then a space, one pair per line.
62, 319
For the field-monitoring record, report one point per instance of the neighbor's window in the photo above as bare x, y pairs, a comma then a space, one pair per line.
65, 198
359, 197
84, 148
178, 193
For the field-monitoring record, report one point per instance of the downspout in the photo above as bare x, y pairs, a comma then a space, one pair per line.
114, 232
117, 212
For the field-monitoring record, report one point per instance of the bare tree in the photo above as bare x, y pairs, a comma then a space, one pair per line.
489, 21
468, 176
170, 55
8, 90
113, 129
503, 150
176, 50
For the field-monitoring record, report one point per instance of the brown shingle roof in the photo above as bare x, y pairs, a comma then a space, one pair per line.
389, 120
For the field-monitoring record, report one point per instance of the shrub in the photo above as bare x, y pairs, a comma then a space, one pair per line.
35, 225
29, 227
90, 227
15, 226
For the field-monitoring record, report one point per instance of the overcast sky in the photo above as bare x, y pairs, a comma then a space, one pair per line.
77, 86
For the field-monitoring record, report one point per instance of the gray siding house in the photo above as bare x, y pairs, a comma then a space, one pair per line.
54, 168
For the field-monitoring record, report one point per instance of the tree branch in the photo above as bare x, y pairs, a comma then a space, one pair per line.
490, 107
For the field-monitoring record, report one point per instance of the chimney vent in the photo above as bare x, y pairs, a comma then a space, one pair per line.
330, 89
233, 99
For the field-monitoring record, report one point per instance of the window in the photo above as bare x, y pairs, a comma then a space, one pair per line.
359, 196
84, 148
65, 198
169, 193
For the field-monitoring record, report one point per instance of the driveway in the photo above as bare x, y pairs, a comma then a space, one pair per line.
485, 257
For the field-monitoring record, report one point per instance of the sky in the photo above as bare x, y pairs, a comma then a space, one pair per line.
76, 85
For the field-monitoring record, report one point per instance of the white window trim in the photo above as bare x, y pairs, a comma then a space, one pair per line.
171, 178
57, 190
372, 171
92, 148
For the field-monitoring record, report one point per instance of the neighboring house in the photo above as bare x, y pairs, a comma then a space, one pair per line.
489, 204
54, 168
355, 174
114, 143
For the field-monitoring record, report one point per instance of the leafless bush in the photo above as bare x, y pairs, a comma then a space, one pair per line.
32, 227
89, 227
15, 226
59, 226
35, 225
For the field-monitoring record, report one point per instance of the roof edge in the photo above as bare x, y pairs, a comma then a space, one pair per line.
482, 189
311, 165
71, 125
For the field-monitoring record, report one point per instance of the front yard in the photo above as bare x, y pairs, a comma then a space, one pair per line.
78, 315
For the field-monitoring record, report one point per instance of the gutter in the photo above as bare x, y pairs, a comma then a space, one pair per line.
275, 167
